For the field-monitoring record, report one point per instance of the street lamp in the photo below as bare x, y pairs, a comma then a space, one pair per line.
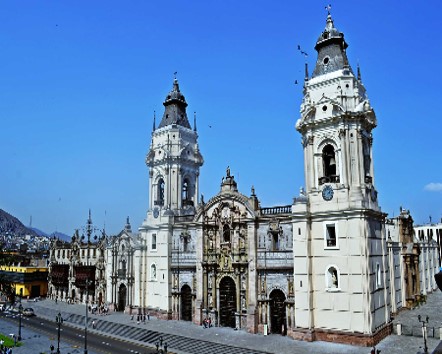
424, 331
59, 321
20, 310
161, 348
88, 282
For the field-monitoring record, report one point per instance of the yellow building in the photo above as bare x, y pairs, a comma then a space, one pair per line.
28, 281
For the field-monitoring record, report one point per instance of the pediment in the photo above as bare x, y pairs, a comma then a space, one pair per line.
226, 205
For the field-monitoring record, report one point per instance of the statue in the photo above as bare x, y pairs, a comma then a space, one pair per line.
243, 282
228, 171
334, 279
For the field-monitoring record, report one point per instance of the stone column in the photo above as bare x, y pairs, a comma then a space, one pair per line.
416, 266
409, 278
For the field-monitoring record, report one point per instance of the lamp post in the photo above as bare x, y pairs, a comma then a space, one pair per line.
424, 331
161, 348
59, 321
20, 311
88, 282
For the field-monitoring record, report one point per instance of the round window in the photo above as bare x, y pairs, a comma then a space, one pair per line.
324, 108
326, 60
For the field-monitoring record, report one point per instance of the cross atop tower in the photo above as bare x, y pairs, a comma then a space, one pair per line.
328, 8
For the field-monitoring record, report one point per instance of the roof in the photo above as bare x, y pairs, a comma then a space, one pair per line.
175, 108
331, 48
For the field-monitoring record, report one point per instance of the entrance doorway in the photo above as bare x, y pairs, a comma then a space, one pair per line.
227, 302
122, 291
186, 303
277, 312
35, 291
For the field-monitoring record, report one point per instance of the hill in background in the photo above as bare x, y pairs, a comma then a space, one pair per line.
10, 225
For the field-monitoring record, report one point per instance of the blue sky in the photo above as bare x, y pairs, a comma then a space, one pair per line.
80, 81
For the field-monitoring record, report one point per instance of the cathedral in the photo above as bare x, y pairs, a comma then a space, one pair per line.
318, 268
315, 269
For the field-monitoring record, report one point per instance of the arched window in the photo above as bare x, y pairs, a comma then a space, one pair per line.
332, 279
329, 161
160, 192
153, 272
186, 193
378, 276
185, 190
186, 240
122, 270
367, 159
275, 241
226, 233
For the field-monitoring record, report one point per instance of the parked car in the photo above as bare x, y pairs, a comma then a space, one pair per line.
28, 312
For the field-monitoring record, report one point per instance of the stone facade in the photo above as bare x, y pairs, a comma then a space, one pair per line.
325, 266
414, 258
77, 268
122, 253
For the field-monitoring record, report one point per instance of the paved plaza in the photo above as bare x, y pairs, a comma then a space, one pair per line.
225, 340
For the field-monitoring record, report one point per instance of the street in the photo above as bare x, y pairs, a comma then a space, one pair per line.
96, 343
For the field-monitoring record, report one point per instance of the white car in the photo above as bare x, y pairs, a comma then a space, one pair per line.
28, 312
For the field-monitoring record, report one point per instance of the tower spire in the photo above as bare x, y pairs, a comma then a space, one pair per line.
194, 121
175, 107
331, 47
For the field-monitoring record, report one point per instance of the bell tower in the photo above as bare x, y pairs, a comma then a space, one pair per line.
174, 160
336, 125
340, 257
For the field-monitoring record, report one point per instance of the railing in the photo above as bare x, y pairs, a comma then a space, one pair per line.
286, 209
158, 202
186, 259
328, 179
182, 218
275, 259
188, 203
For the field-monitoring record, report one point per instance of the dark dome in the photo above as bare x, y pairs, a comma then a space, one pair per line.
175, 94
330, 33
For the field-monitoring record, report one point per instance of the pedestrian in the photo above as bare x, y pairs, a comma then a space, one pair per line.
93, 324
148, 316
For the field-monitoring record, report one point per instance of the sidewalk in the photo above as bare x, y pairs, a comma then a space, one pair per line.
272, 344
